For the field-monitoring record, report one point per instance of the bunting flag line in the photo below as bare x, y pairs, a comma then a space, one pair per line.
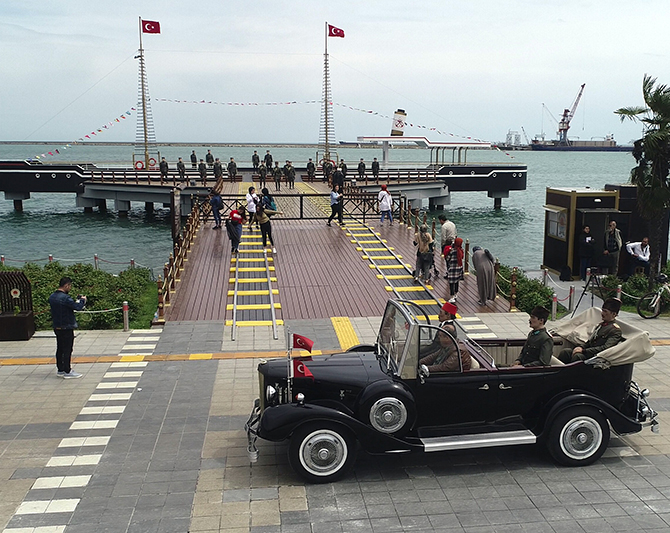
95, 132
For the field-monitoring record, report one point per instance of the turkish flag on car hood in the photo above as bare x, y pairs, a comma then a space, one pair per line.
150, 26
335, 32
300, 370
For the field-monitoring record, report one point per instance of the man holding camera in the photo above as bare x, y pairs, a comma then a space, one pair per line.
64, 323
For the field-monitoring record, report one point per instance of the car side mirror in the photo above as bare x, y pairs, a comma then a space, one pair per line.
423, 373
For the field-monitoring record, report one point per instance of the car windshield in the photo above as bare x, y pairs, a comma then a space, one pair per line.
393, 337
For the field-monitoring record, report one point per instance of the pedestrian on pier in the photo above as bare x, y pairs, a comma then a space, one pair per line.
338, 179
454, 259
311, 170
336, 203
218, 169
163, 166
234, 227
217, 204
209, 158
232, 169
447, 235
327, 170
375, 169
194, 160
252, 201
267, 201
262, 175
268, 159
202, 169
290, 175
62, 314
612, 247
385, 205
255, 160
361, 170
343, 167
485, 269
263, 218
181, 168
276, 174
424, 253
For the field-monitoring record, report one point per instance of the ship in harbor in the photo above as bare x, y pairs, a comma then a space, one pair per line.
564, 144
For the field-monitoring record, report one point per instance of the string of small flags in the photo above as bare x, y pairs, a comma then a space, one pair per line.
89, 136
353, 108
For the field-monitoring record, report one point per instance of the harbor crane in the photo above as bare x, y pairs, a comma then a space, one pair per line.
564, 124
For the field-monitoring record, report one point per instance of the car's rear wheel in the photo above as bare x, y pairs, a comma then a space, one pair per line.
322, 453
579, 436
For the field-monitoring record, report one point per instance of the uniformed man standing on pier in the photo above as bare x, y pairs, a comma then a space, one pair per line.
202, 169
268, 160
290, 174
163, 166
232, 169
375, 169
539, 345
194, 159
181, 168
255, 160
361, 170
209, 158
218, 169
311, 169
276, 174
262, 175
606, 335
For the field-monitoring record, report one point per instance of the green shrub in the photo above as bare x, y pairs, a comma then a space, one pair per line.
102, 289
529, 292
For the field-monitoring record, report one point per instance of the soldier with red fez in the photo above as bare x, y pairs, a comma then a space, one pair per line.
606, 335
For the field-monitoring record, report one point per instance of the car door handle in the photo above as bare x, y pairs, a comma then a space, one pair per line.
502, 386
485, 386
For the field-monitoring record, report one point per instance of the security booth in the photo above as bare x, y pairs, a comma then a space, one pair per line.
567, 211
17, 321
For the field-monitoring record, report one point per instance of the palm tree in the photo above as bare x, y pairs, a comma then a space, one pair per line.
652, 154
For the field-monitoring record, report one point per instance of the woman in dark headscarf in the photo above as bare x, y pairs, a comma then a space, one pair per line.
484, 264
454, 260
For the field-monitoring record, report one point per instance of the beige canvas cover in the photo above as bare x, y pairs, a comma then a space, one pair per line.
635, 347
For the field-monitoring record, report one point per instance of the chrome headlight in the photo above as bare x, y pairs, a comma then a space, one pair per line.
644, 393
270, 393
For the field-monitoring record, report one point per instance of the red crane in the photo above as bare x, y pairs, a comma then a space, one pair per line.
564, 124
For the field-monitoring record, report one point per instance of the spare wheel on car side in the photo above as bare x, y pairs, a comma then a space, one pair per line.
389, 413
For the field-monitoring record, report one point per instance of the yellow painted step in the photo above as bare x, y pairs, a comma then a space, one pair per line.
406, 289
388, 267
365, 257
251, 259
360, 249
253, 280
253, 293
246, 323
345, 332
252, 269
425, 302
369, 234
229, 307
430, 317
377, 241
395, 276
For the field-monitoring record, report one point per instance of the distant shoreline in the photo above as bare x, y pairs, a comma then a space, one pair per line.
204, 144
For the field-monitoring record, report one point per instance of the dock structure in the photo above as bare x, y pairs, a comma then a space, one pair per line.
318, 271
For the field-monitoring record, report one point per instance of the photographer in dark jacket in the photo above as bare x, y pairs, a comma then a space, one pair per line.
64, 323
585, 251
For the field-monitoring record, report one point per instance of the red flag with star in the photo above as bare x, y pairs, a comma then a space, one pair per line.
300, 370
335, 32
151, 26
302, 343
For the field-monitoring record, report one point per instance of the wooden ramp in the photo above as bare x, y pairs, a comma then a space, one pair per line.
319, 272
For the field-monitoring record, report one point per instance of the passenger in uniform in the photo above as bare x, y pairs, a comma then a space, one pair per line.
539, 345
606, 335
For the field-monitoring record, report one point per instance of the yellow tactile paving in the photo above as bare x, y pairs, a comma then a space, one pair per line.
345, 332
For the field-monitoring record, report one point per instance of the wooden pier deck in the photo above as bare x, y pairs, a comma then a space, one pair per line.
319, 271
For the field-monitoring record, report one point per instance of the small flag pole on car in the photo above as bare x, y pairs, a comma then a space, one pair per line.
289, 349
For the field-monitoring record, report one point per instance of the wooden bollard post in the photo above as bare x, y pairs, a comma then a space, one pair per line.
125, 177
171, 267
166, 277
161, 308
496, 269
512, 292
466, 259
425, 218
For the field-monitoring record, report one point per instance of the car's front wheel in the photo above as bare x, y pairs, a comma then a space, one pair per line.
322, 453
579, 436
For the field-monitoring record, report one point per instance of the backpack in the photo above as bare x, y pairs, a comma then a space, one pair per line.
269, 204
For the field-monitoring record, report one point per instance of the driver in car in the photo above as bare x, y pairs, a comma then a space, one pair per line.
445, 356
606, 335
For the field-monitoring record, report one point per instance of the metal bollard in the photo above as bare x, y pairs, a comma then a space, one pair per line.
132, 263
554, 306
545, 277
571, 299
588, 274
618, 292
95, 261
51, 258
2, 260
126, 318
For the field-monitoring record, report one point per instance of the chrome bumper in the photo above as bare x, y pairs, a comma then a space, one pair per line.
645, 414
251, 427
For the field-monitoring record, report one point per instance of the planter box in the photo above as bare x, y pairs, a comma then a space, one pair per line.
17, 327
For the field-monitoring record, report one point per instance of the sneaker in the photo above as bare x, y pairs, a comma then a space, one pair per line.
274, 250
71, 375
60, 373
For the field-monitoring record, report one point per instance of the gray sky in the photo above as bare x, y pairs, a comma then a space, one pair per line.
474, 68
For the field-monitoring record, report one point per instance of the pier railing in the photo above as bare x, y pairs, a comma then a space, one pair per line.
386, 175
155, 178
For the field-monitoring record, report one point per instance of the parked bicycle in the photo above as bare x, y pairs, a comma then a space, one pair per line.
654, 303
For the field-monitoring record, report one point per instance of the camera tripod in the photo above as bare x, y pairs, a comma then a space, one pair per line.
592, 282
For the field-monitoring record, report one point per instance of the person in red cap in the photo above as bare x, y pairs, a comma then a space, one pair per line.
385, 205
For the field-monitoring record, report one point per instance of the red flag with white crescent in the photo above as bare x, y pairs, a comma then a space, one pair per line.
335, 32
300, 370
151, 26
302, 343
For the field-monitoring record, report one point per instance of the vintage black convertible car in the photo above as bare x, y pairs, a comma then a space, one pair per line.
383, 398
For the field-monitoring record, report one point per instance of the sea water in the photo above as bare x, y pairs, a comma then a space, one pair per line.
52, 224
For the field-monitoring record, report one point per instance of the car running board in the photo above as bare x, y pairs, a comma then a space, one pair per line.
481, 440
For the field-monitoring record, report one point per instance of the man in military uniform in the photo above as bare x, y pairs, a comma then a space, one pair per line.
343, 167
181, 168
290, 174
276, 174
361, 170
311, 169
194, 159
255, 160
202, 169
209, 158
262, 175
232, 169
268, 160
218, 169
539, 345
606, 335
163, 168
375, 169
